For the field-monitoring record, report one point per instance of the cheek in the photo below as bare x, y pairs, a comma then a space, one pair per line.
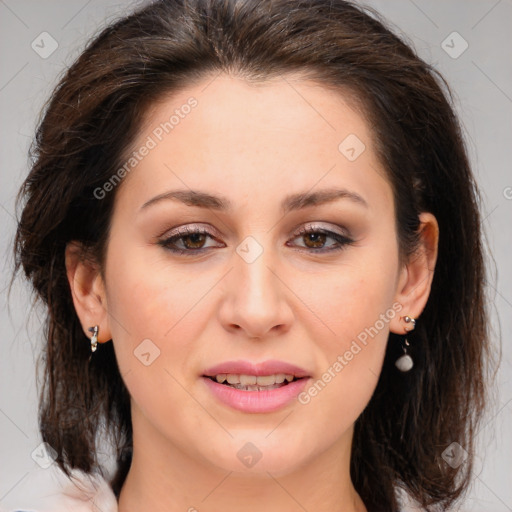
354, 307
155, 312
350, 301
148, 299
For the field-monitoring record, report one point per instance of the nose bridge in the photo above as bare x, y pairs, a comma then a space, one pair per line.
257, 282
256, 301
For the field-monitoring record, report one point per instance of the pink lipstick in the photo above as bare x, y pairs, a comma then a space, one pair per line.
256, 387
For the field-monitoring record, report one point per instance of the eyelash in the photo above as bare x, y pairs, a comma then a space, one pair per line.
168, 242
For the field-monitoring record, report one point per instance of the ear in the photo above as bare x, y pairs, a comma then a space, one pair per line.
88, 291
415, 279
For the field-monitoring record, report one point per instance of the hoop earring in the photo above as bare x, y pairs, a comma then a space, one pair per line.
94, 337
405, 363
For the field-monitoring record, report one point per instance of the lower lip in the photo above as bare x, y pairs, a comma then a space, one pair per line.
256, 401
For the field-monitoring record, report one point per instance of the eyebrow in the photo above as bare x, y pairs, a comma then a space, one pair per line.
290, 203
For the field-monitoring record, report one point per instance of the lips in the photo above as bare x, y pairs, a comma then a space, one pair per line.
271, 367
253, 382
248, 376
255, 387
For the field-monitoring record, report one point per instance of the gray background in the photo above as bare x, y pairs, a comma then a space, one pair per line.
481, 77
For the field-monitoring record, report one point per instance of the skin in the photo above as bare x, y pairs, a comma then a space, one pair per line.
254, 145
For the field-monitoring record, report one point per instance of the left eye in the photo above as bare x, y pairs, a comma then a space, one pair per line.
192, 240
316, 238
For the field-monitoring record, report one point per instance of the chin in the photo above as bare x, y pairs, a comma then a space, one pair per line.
259, 453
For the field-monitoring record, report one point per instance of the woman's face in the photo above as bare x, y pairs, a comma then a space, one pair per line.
207, 265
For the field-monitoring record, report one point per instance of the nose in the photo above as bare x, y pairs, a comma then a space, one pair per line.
256, 300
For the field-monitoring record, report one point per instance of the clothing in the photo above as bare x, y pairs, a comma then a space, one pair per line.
57, 493
50, 490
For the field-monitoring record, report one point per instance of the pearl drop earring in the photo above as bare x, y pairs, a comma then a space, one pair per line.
405, 363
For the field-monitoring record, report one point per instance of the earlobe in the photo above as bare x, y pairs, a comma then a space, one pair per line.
415, 281
87, 290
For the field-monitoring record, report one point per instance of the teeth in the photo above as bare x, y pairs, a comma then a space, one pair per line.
256, 388
248, 380
233, 379
266, 380
253, 380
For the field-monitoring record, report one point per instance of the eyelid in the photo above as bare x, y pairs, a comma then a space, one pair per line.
185, 229
189, 228
310, 226
342, 238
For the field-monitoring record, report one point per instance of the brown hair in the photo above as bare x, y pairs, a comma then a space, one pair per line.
87, 128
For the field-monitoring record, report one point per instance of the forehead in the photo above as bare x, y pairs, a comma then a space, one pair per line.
226, 133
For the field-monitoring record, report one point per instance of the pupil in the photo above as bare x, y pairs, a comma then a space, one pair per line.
197, 238
318, 239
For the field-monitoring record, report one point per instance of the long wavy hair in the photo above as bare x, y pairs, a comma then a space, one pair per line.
85, 133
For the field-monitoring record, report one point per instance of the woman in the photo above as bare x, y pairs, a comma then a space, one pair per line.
257, 235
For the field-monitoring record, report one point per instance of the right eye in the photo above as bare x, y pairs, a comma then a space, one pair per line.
187, 240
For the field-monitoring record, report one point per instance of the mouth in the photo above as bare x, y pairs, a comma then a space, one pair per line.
250, 387
245, 382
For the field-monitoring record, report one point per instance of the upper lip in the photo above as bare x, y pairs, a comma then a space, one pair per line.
270, 367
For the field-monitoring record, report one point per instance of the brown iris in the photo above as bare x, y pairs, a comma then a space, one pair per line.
318, 239
198, 240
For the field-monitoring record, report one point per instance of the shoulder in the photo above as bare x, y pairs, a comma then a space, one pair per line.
52, 491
